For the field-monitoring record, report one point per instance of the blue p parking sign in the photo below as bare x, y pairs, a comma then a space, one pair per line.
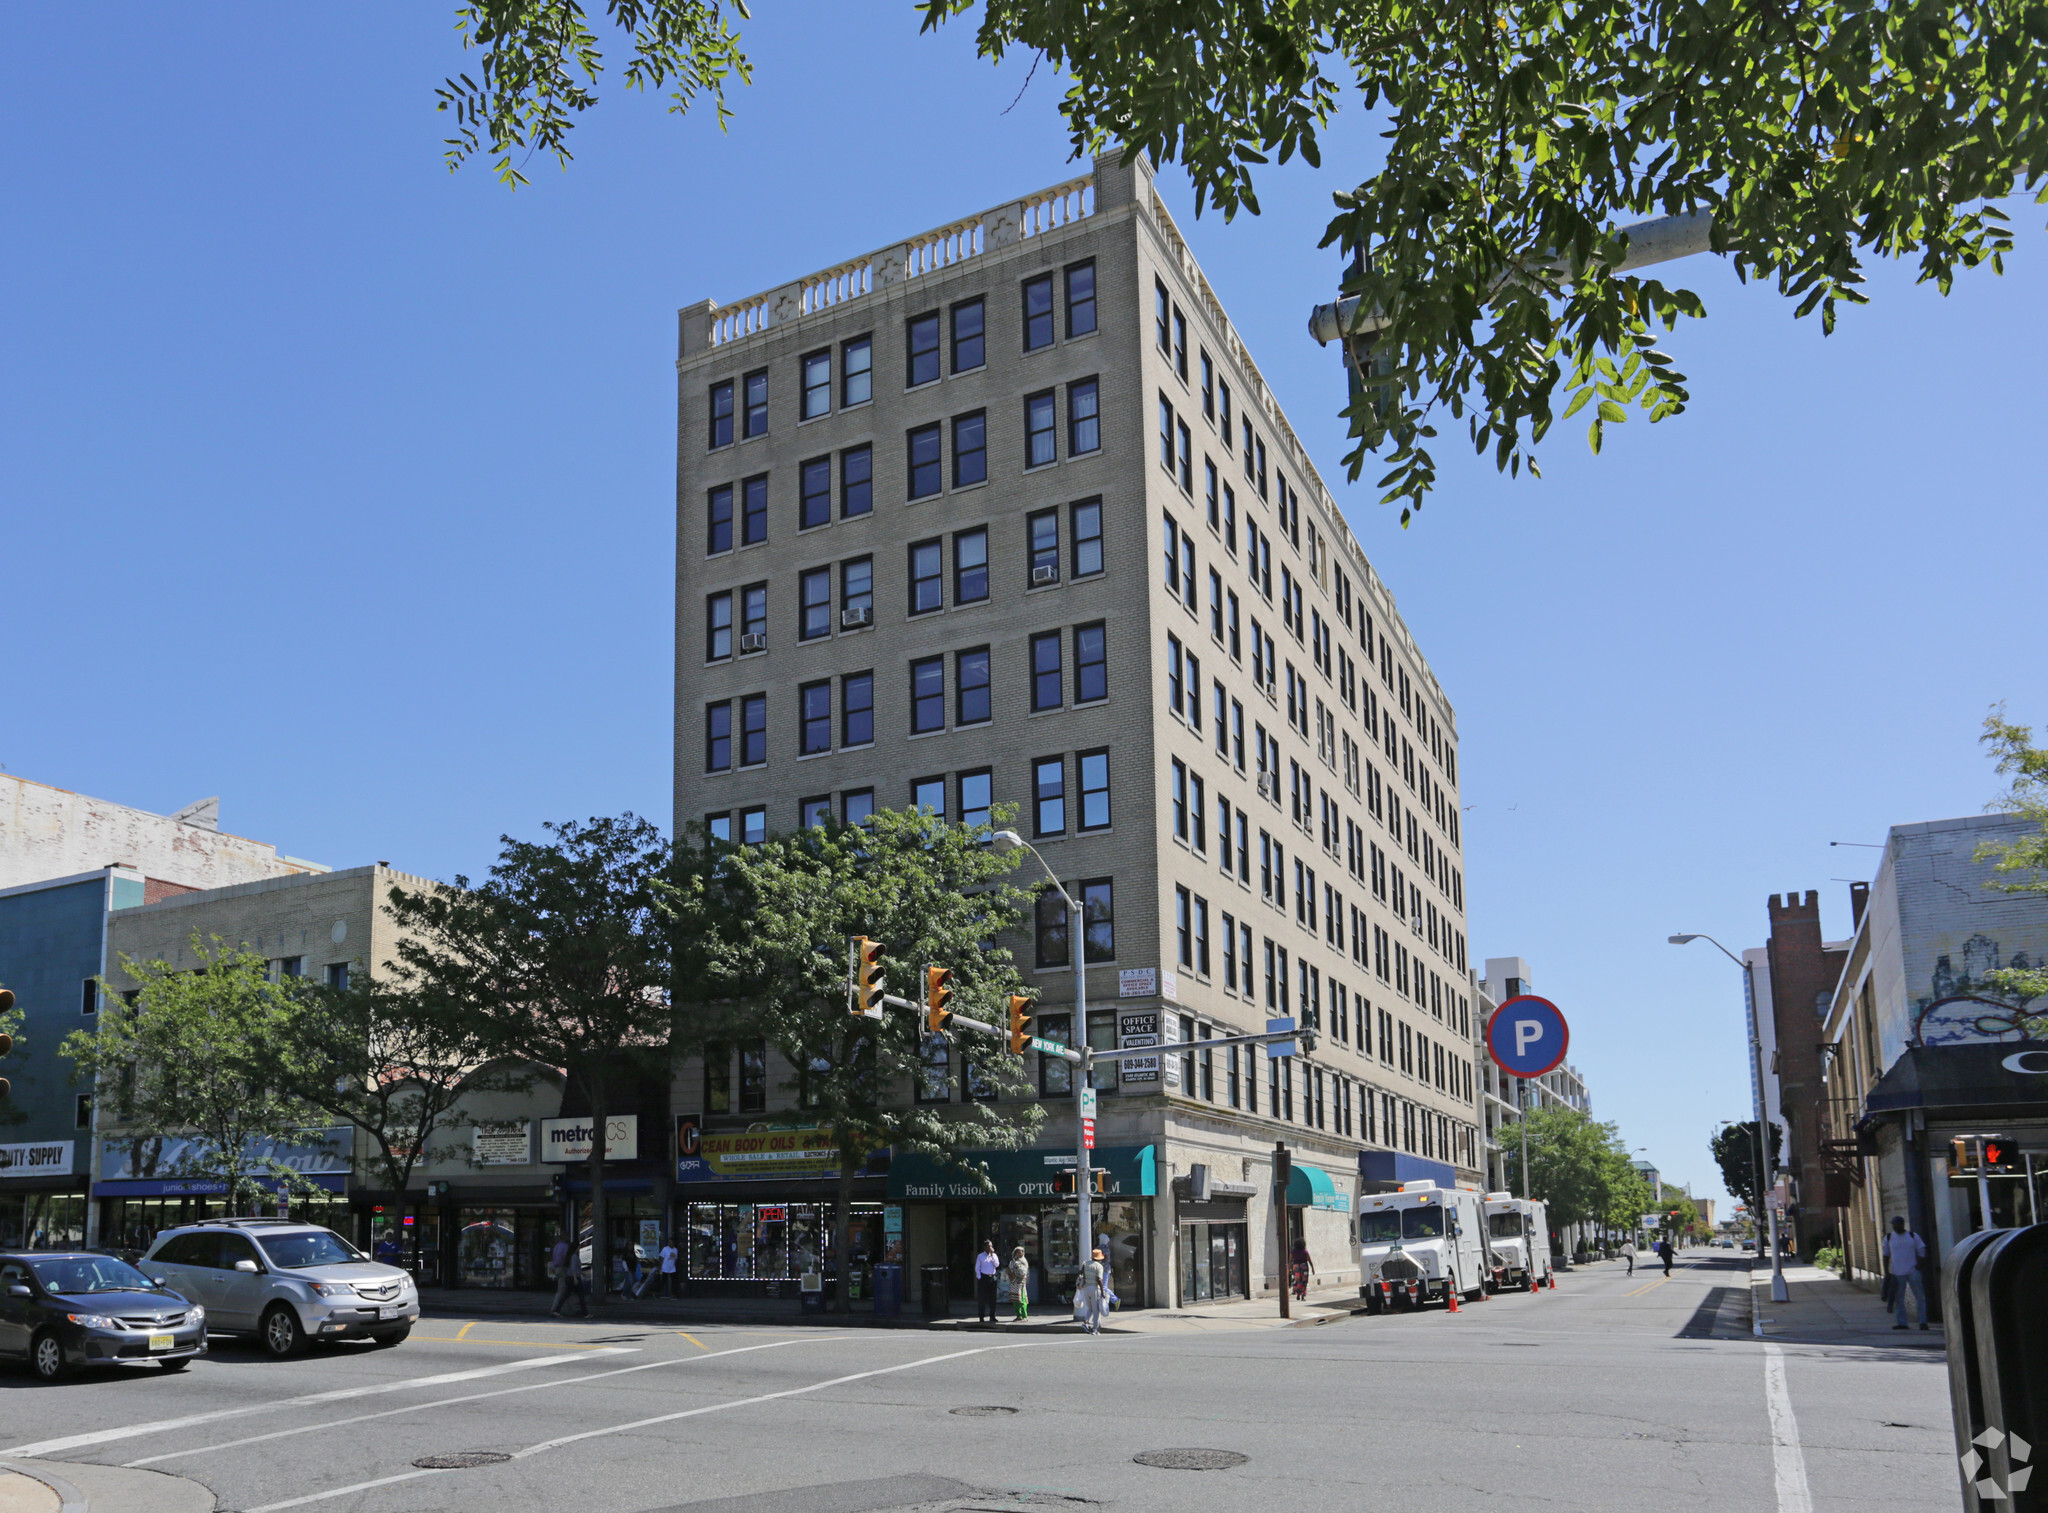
1527, 1036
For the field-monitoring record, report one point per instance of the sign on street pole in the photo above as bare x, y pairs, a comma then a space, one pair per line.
1088, 1118
1527, 1036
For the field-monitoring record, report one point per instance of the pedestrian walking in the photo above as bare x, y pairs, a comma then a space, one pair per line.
1903, 1253
1299, 1267
1669, 1252
568, 1276
1090, 1294
1020, 1283
986, 1265
668, 1267
1628, 1254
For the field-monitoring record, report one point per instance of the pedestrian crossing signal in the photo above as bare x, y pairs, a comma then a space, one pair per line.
1020, 1023
867, 973
1065, 1185
938, 998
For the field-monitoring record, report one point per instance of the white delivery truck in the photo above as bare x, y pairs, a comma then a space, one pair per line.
1518, 1234
1419, 1245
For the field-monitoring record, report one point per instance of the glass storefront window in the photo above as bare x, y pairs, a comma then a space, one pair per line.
42, 1221
771, 1242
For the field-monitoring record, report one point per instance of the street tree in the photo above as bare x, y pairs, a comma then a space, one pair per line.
1628, 1195
562, 957
777, 919
1734, 1148
396, 1062
1517, 138
190, 1053
2021, 864
1570, 1169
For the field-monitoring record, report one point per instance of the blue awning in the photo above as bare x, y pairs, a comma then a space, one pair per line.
1311, 1187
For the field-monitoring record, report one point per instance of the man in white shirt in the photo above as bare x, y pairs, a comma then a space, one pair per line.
668, 1267
1903, 1253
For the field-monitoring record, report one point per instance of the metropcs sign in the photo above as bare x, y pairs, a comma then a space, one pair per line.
571, 1139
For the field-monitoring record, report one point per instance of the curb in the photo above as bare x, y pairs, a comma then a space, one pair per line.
69, 1498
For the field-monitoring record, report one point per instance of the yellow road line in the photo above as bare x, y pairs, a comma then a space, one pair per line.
694, 1340
465, 1329
1651, 1288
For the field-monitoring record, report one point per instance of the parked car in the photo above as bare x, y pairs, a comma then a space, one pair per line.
285, 1283
81, 1308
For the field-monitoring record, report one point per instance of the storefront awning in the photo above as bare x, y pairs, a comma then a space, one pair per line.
1132, 1171
1311, 1187
2009, 1074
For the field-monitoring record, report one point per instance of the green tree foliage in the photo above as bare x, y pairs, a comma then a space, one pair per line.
1628, 1195
192, 1055
562, 956
396, 1063
1518, 137
2021, 864
540, 60
1572, 1166
1734, 1148
775, 921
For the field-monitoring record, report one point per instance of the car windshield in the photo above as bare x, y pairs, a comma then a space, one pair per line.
1504, 1226
312, 1247
74, 1274
1379, 1226
1422, 1223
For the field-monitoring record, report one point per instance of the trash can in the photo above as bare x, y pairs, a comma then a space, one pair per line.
937, 1286
888, 1291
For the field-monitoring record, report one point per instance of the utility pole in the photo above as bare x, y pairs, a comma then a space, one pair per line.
1283, 1173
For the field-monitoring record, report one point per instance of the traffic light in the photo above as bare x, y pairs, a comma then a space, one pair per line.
6, 1041
1020, 1023
1101, 1180
1063, 1185
867, 977
938, 998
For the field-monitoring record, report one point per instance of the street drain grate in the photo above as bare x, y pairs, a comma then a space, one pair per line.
1191, 1460
462, 1460
990, 1410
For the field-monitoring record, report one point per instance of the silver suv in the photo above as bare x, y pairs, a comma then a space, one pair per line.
284, 1283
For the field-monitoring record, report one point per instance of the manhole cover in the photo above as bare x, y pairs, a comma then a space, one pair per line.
460, 1460
1191, 1460
992, 1410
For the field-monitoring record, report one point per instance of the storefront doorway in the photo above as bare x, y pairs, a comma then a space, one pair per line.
1050, 1237
1212, 1262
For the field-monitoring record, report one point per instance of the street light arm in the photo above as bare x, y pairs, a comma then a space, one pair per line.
1682, 940
1010, 840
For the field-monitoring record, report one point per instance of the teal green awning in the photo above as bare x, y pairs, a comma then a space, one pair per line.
1311, 1187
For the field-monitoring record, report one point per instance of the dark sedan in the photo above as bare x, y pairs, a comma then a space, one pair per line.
82, 1308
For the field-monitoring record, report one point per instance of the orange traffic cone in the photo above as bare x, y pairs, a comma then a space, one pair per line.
1451, 1296
1553, 1281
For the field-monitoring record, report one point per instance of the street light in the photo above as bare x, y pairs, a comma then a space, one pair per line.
1766, 1171
1005, 842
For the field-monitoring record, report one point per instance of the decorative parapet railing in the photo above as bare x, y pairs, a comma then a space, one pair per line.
930, 252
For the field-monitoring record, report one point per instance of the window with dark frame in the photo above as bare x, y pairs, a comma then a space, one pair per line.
856, 481
973, 700
927, 695
1091, 665
756, 418
1048, 680
1098, 921
814, 609
856, 371
754, 510
970, 449
927, 577
718, 736
718, 520
1080, 298
921, 350
753, 730
815, 703
857, 806
929, 793
718, 626
1041, 430
721, 414
1087, 532
1050, 932
857, 588
970, 565
1084, 417
1038, 330
1092, 768
857, 709
969, 335
927, 474
814, 504
817, 390
1042, 534
753, 611
977, 790
1180, 345
1049, 796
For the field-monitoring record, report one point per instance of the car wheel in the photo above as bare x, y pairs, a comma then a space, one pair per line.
46, 1357
386, 1341
283, 1335
178, 1364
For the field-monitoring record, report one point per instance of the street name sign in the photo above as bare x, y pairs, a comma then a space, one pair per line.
1527, 1036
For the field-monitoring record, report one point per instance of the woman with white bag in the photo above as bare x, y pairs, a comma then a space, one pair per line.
1091, 1297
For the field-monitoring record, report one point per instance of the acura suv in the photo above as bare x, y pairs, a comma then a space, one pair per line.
284, 1283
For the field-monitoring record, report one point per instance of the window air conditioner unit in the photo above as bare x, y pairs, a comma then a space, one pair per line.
1267, 785
1045, 573
754, 641
849, 619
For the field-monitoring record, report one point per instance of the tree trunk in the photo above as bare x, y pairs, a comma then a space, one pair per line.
842, 1231
600, 1260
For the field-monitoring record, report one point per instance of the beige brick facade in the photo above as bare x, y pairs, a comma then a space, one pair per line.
1335, 746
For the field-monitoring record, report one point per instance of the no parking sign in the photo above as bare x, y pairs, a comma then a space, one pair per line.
1527, 1036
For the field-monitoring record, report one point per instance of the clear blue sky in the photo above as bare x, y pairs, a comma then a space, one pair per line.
343, 488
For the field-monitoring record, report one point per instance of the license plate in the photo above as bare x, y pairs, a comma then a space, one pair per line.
163, 1342
391, 1311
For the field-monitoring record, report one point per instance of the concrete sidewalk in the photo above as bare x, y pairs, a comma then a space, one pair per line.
53, 1486
1822, 1309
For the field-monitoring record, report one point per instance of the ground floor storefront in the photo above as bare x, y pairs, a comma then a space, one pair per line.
38, 1214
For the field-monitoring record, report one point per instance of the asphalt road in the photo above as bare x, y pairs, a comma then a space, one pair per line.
1600, 1395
